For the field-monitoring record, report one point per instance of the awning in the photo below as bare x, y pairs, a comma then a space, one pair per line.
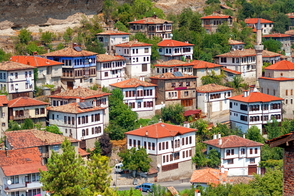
190, 112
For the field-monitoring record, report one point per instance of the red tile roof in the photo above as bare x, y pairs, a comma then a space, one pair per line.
25, 102
281, 65
34, 61
290, 137
34, 138
198, 64
212, 88
290, 15
190, 112
173, 63
82, 152
231, 71
278, 79
169, 75
133, 43
73, 108
255, 97
290, 32
21, 161
113, 32
132, 83
255, 21
150, 20
216, 16
160, 130
277, 35
70, 52
108, 58
11, 66
81, 93
208, 176
3, 100
248, 52
235, 42
173, 43
232, 141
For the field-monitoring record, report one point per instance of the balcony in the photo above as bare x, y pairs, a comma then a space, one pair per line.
21, 117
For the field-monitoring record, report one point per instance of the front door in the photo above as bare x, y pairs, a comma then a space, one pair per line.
252, 169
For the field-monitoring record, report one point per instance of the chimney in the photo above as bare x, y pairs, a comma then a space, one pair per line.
78, 100
244, 136
219, 135
140, 126
160, 120
6, 151
245, 93
197, 192
94, 103
214, 136
147, 133
222, 169
35, 53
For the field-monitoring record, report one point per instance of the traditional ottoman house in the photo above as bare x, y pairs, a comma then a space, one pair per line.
279, 81
22, 108
110, 69
266, 25
236, 45
49, 72
172, 49
19, 172
139, 95
211, 22
174, 66
138, 58
176, 88
16, 79
152, 26
285, 40
212, 99
208, 176
254, 109
110, 38
170, 147
239, 156
79, 66
3, 114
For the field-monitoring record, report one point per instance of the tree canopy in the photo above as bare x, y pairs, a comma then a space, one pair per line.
173, 114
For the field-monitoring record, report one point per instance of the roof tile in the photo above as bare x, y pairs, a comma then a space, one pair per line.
3, 100
24, 102
113, 32
198, 64
278, 79
81, 93
73, 108
173, 63
150, 20
208, 176
34, 61
277, 35
232, 141
281, 65
231, 71
70, 52
10, 66
216, 16
248, 52
173, 43
133, 43
255, 21
170, 75
212, 88
255, 97
107, 58
132, 83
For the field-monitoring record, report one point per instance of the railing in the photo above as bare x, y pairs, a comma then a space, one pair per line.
19, 117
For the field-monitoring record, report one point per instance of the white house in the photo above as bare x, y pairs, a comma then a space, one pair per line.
17, 79
266, 25
211, 22
172, 49
212, 99
139, 95
239, 156
170, 147
83, 121
19, 172
254, 109
110, 38
236, 45
3, 114
110, 69
285, 40
138, 58
174, 66
49, 72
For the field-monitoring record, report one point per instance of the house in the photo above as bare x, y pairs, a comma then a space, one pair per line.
174, 66
31, 138
291, 17
79, 66
110, 69
152, 26
203, 68
291, 33
244, 61
138, 58
287, 143
254, 109
19, 172
110, 38
96, 97
16, 79
212, 99
139, 95
82, 121
236, 45
172, 49
176, 88
3, 114
49, 72
266, 25
22, 108
230, 74
239, 156
208, 176
278, 81
285, 40
211, 22
170, 147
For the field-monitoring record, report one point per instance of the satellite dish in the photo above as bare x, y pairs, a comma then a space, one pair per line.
9, 182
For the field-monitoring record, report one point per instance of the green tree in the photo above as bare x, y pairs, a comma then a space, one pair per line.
53, 129
68, 35
224, 130
213, 158
24, 36
108, 8
212, 78
272, 129
202, 133
135, 159
47, 37
121, 27
268, 153
28, 124
253, 133
105, 144
96, 150
13, 126
237, 84
173, 114
272, 45
200, 158
66, 174
4, 56
281, 23
96, 46
131, 192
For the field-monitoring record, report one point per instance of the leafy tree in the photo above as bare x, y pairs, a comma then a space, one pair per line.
66, 175
212, 78
13, 126
272, 45
96, 46
105, 144
47, 37
33, 47
238, 84
200, 158
224, 130
4, 56
253, 133
24, 36
268, 153
281, 23
68, 35
28, 124
212, 1
121, 27
202, 132
59, 46
213, 158
96, 150
158, 190
53, 129
135, 159
173, 114
272, 129
271, 163
131, 192
108, 8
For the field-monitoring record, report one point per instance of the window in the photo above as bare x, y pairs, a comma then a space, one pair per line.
160, 145
230, 104
144, 67
146, 50
251, 151
223, 60
286, 92
164, 159
256, 150
232, 151
55, 148
106, 74
244, 107
153, 146
149, 145
243, 118
173, 84
187, 83
243, 151
230, 161
252, 160
185, 93
227, 152
37, 111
